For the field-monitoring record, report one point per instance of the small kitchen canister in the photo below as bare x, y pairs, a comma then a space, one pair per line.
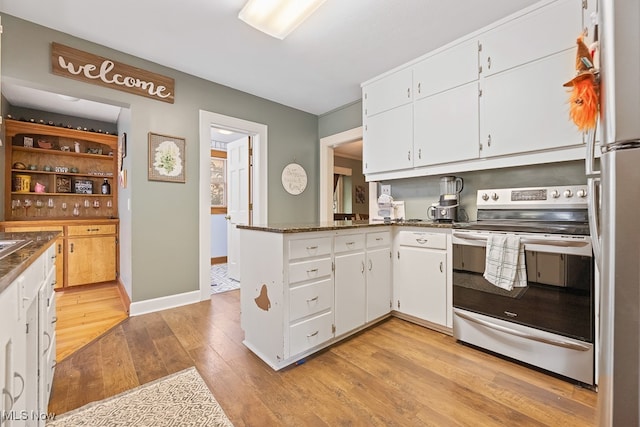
21, 183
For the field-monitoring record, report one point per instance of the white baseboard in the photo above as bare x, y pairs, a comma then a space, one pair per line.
163, 303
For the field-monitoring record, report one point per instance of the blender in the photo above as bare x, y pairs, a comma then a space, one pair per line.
446, 209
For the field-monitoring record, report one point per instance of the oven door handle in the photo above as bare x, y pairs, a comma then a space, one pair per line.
558, 243
557, 343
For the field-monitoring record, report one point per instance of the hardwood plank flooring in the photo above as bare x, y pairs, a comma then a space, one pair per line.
84, 313
393, 374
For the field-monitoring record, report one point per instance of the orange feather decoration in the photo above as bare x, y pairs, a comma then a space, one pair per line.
584, 104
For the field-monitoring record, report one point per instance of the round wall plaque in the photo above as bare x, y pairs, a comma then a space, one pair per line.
294, 179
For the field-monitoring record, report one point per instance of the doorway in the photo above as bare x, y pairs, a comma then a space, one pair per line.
328, 147
259, 179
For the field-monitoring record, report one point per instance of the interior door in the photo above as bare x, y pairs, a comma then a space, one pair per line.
238, 200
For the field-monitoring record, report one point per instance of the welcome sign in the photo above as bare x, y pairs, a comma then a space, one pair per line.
76, 64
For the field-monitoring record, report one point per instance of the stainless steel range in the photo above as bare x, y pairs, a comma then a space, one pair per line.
547, 318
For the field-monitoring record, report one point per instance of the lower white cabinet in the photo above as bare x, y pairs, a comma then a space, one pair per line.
27, 343
303, 291
422, 282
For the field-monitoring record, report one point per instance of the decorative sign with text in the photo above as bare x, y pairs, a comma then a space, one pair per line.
76, 64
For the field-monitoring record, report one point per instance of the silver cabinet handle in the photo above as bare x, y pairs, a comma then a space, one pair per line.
313, 334
6, 392
489, 141
409, 155
558, 343
312, 248
313, 270
54, 320
408, 92
421, 240
441, 269
362, 269
489, 62
379, 239
350, 243
17, 375
370, 265
312, 299
46, 334
419, 153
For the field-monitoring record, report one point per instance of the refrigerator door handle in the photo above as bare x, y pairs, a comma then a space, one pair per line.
589, 165
594, 219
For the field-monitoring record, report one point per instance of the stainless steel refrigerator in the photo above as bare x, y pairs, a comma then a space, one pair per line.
615, 212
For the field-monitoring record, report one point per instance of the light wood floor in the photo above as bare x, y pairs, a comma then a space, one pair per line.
395, 373
84, 313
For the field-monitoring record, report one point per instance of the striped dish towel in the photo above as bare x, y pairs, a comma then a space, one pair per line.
505, 265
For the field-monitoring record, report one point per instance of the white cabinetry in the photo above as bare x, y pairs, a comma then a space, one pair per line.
422, 282
379, 279
303, 291
350, 308
27, 317
491, 99
388, 123
523, 105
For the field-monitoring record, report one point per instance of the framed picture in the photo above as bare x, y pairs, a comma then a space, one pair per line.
218, 187
166, 158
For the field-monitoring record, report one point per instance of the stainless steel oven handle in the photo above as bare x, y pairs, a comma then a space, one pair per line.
557, 343
558, 243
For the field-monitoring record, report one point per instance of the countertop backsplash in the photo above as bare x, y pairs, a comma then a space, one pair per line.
419, 193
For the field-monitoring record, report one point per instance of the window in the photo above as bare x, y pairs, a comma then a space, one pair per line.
218, 185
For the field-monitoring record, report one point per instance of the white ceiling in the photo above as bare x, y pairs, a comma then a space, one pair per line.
317, 68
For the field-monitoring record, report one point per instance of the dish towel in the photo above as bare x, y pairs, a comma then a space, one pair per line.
505, 262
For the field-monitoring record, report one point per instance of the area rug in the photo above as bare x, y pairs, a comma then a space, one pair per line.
180, 399
220, 280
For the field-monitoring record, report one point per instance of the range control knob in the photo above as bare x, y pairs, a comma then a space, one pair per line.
494, 196
568, 194
485, 196
581, 193
443, 212
555, 194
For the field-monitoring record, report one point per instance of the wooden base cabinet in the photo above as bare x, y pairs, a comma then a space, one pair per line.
86, 253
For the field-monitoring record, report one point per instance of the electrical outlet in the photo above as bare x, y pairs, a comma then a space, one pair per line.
386, 189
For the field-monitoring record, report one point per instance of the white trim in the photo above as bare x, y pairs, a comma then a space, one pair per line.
342, 171
163, 303
260, 184
326, 168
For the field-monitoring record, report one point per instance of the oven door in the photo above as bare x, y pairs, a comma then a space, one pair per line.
558, 297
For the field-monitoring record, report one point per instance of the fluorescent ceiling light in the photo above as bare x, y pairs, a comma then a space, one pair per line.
278, 17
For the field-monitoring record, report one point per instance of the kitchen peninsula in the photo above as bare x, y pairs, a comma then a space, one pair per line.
307, 286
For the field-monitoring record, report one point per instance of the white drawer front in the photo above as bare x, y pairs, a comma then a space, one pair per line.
310, 333
310, 299
349, 242
380, 238
309, 270
305, 248
423, 240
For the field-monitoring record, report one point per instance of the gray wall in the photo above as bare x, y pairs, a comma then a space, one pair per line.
341, 119
160, 232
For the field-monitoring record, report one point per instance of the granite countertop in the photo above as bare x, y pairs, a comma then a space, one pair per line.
13, 265
339, 225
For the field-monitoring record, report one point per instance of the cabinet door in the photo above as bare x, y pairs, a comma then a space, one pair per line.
388, 140
378, 283
421, 284
540, 33
446, 126
387, 93
525, 109
350, 303
8, 320
91, 260
447, 69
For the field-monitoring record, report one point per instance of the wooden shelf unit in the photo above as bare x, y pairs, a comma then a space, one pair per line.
59, 183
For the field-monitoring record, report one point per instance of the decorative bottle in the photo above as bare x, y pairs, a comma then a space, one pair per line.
106, 188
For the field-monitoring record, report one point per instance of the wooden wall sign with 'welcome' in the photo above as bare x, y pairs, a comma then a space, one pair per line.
76, 64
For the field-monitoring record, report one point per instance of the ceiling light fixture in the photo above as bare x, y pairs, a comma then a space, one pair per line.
225, 132
278, 18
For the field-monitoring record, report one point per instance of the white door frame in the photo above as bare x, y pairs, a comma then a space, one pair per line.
259, 180
326, 169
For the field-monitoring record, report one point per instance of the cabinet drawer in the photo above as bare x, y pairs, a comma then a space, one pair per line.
349, 242
309, 270
381, 238
21, 229
304, 248
310, 333
423, 240
91, 229
310, 299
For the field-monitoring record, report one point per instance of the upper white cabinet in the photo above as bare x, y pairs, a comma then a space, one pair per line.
387, 93
447, 69
388, 140
539, 33
491, 99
